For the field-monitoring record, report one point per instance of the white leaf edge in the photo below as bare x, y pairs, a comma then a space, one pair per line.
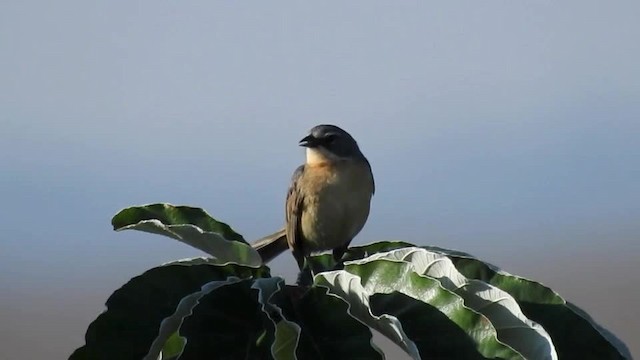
223, 250
348, 287
267, 287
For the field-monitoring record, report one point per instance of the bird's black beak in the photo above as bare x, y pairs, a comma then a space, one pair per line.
309, 141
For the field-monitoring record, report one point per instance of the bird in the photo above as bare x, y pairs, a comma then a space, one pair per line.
328, 200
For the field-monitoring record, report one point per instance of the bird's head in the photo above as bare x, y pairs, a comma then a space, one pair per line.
329, 143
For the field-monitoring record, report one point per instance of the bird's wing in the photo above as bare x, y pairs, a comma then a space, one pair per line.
294, 207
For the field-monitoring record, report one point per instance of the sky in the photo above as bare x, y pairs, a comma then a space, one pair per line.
509, 130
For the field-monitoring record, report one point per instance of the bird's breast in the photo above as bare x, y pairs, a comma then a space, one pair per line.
336, 204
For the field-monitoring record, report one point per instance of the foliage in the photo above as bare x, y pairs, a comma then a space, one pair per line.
432, 302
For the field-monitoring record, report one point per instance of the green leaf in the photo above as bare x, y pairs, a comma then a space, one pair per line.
170, 326
432, 331
574, 333
228, 323
127, 329
192, 226
328, 331
287, 333
348, 287
512, 326
359, 281
169, 214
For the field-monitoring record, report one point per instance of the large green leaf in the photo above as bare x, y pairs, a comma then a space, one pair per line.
575, 334
359, 281
586, 339
192, 226
169, 214
513, 327
131, 323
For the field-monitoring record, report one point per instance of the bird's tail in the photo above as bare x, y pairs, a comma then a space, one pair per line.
271, 246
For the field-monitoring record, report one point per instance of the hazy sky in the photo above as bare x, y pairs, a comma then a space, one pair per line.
506, 129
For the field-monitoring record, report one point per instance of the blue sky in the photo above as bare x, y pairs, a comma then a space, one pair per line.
505, 129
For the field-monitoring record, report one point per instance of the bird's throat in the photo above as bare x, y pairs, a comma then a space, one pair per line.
319, 156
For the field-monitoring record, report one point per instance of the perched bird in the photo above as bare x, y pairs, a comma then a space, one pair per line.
328, 200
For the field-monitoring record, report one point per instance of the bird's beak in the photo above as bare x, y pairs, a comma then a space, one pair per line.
309, 141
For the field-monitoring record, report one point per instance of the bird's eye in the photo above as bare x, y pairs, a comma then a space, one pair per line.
330, 139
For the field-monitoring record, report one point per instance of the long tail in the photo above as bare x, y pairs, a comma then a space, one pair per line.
271, 246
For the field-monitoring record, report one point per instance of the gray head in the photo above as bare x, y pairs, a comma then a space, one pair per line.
330, 143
